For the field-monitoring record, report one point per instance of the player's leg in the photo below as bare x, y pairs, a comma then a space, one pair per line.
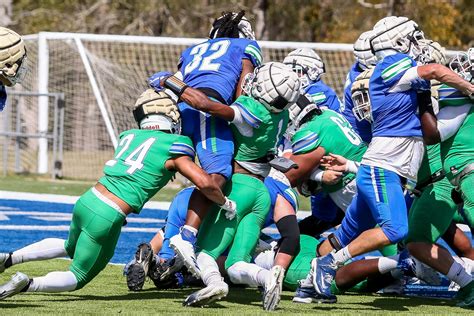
99, 227
324, 215
284, 203
458, 241
381, 191
48, 248
214, 145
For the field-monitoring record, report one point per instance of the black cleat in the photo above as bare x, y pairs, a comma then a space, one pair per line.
138, 270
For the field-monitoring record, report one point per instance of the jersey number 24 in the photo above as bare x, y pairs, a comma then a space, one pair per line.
136, 157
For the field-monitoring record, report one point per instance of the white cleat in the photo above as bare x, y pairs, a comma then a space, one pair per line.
273, 288
185, 250
211, 293
3, 259
14, 286
426, 273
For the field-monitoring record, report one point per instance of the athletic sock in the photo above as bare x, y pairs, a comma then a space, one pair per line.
209, 269
48, 248
342, 255
189, 234
53, 282
458, 274
387, 264
247, 273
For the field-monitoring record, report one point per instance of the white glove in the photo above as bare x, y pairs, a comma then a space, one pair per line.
230, 207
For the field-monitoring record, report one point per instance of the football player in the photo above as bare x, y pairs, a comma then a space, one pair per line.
395, 152
215, 67
12, 61
310, 67
365, 59
258, 121
144, 161
452, 128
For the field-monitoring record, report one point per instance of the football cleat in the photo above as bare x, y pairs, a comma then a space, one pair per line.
165, 274
3, 260
14, 286
410, 266
324, 271
306, 294
185, 250
273, 288
211, 293
465, 296
138, 269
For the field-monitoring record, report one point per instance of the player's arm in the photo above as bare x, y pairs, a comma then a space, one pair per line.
191, 96
445, 75
247, 67
306, 164
203, 181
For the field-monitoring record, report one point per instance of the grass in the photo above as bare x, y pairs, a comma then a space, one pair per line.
41, 184
108, 294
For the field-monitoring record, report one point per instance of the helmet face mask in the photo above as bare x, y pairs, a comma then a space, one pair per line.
463, 65
362, 109
431, 53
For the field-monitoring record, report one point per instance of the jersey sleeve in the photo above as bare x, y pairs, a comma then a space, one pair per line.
449, 96
395, 76
250, 110
182, 146
304, 141
253, 52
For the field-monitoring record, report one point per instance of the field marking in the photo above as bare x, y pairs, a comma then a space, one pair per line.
66, 199
66, 228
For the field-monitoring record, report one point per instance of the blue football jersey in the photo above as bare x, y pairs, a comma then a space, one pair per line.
323, 95
3, 97
217, 64
363, 128
394, 113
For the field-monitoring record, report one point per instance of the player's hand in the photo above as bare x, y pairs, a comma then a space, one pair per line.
334, 162
331, 177
230, 208
156, 80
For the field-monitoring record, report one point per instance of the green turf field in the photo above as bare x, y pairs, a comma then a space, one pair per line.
108, 294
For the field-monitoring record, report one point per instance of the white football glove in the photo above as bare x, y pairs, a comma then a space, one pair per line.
230, 207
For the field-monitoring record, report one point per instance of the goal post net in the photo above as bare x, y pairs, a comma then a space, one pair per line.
101, 76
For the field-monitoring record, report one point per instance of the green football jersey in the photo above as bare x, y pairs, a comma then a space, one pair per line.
333, 132
458, 151
137, 171
430, 164
267, 130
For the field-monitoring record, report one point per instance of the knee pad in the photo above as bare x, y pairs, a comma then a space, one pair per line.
290, 235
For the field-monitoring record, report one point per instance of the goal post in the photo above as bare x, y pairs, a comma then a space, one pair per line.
101, 76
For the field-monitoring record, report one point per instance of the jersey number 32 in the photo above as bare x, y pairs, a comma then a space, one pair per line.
207, 62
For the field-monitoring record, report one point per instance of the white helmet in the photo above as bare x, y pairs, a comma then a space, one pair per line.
224, 26
274, 85
12, 57
307, 64
431, 53
463, 64
299, 113
360, 96
396, 34
362, 51
157, 110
